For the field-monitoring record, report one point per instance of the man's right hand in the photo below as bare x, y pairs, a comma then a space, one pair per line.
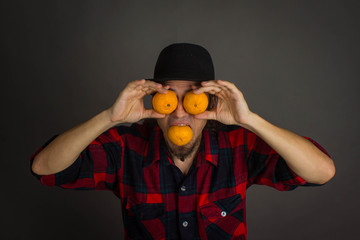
129, 106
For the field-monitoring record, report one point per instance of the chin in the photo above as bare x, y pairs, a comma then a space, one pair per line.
181, 149
184, 151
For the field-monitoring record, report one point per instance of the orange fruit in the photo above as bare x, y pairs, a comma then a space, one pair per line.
195, 103
165, 103
180, 135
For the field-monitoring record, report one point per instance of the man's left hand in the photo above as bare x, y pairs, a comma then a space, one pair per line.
231, 108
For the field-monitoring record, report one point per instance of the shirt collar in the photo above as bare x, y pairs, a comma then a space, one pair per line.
157, 149
208, 151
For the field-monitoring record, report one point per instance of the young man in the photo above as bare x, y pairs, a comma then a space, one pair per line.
195, 191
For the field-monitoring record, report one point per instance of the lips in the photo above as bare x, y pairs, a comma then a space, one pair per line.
180, 124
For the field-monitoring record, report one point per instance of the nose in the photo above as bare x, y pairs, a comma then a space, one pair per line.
180, 111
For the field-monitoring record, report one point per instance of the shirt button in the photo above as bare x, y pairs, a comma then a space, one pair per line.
185, 224
223, 214
183, 188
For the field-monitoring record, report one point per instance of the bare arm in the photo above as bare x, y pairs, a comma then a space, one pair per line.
65, 149
128, 107
301, 155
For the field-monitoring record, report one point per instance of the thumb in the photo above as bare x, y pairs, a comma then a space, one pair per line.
150, 113
210, 115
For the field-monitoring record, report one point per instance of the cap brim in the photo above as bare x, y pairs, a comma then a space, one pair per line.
159, 80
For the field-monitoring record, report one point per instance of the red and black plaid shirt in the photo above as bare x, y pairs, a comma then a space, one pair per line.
158, 201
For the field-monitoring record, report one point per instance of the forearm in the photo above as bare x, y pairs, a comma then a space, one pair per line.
301, 155
65, 149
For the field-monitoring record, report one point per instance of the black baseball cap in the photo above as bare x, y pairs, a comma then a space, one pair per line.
184, 61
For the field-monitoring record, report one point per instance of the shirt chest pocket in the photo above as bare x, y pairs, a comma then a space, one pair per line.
145, 221
224, 218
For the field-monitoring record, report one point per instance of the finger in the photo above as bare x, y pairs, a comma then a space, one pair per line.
219, 92
236, 93
135, 84
229, 85
140, 92
161, 90
151, 91
138, 85
215, 84
220, 95
209, 115
210, 83
156, 87
207, 89
152, 84
133, 89
150, 87
150, 113
148, 91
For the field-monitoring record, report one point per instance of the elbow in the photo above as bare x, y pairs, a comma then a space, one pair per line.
36, 166
332, 170
328, 172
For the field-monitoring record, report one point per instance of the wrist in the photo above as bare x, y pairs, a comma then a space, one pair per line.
252, 122
108, 119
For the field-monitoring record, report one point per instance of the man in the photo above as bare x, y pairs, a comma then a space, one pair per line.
196, 191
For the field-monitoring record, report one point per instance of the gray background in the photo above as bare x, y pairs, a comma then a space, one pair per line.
297, 63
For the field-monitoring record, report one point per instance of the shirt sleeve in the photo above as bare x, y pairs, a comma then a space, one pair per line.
266, 167
95, 168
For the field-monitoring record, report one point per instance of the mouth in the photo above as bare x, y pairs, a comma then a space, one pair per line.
182, 124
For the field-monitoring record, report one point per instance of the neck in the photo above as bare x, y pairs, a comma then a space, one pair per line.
185, 164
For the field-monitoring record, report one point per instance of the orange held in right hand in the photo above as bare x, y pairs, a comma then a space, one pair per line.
129, 106
165, 103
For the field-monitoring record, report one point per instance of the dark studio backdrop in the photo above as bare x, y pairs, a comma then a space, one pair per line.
297, 63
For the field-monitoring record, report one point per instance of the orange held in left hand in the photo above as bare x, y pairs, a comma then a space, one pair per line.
231, 108
195, 103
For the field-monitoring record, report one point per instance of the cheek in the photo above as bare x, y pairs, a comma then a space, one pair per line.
200, 124
162, 122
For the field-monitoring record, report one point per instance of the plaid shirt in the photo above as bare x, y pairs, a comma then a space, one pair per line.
158, 201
